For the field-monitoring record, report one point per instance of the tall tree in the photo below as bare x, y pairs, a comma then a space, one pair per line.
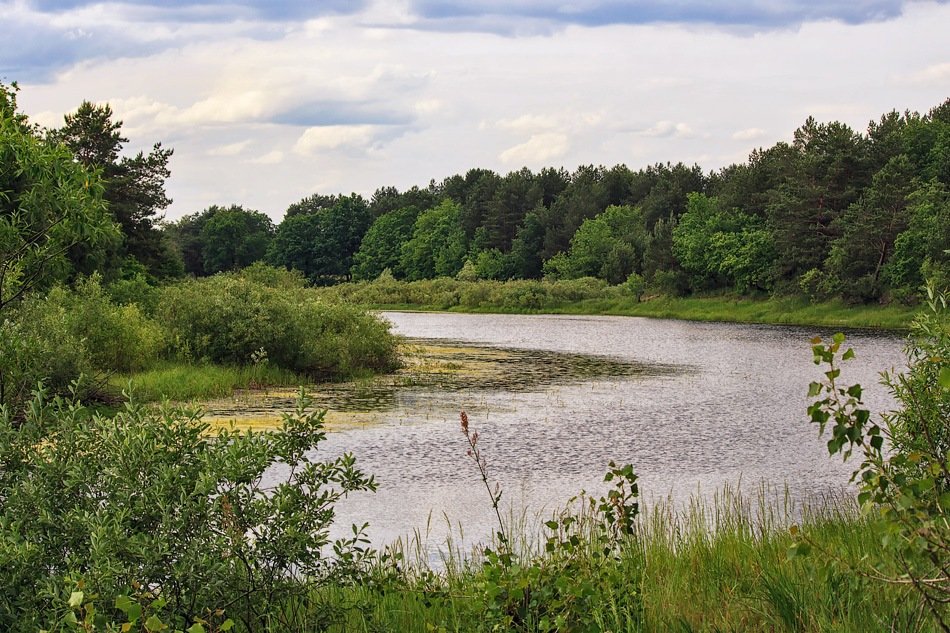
381, 247
320, 241
48, 204
869, 228
134, 185
438, 245
830, 170
609, 246
234, 237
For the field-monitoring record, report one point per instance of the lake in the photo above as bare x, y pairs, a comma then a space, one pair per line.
693, 406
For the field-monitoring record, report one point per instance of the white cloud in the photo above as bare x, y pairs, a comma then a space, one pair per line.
330, 137
373, 106
537, 150
231, 149
528, 123
668, 129
937, 74
749, 134
270, 158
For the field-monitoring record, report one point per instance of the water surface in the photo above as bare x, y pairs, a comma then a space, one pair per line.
693, 406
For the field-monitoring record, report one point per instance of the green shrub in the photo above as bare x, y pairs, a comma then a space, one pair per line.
151, 502
134, 290
71, 333
904, 475
233, 320
273, 277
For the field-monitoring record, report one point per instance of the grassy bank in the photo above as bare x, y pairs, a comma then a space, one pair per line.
593, 296
724, 565
184, 382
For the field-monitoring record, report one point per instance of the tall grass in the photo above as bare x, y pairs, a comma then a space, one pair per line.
719, 564
183, 382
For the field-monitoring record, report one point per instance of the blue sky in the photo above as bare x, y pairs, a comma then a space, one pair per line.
267, 102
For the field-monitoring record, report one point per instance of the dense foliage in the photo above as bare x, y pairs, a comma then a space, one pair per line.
231, 319
49, 205
150, 518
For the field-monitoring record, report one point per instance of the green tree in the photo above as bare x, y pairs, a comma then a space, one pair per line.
717, 248
134, 185
582, 199
525, 255
868, 230
921, 250
48, 204
186, 238
514, 196
609, 246
381, 247
234, 237
830, 171
437, 247
321, 243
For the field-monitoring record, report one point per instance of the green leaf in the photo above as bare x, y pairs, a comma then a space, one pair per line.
848, 355
123, 604
75, 599
838, 338
945, 377
196, 628
227, 625
153, 623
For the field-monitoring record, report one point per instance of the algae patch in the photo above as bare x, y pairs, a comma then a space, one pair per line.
431, 372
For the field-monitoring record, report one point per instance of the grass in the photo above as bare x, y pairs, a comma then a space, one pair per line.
184, 382
715, 565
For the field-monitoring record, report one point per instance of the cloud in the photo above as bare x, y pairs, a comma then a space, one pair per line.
339, 112
668, 129
934, 74
537, 150
215, 10
528, 123
749, 134
231, 149
331, 137
270, 158
505, 15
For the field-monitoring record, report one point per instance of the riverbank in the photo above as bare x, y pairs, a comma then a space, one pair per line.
594, 297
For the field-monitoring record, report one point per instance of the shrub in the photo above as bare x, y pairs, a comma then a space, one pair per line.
71, 333
151, 502
231, 319
905, 486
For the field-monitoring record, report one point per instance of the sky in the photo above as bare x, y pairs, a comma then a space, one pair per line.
265, 103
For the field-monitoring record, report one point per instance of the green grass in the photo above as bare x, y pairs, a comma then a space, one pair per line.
183, 382
722, 565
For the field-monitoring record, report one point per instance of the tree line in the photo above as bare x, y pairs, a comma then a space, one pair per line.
864, 216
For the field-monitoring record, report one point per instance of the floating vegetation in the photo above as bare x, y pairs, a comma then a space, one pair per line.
431, 370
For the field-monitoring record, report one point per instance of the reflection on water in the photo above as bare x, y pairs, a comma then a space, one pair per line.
693, 406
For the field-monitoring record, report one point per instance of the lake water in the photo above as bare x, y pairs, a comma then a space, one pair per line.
693, 406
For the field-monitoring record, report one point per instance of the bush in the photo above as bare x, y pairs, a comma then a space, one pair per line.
233, 320
906, 485
151, 502
72, 333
